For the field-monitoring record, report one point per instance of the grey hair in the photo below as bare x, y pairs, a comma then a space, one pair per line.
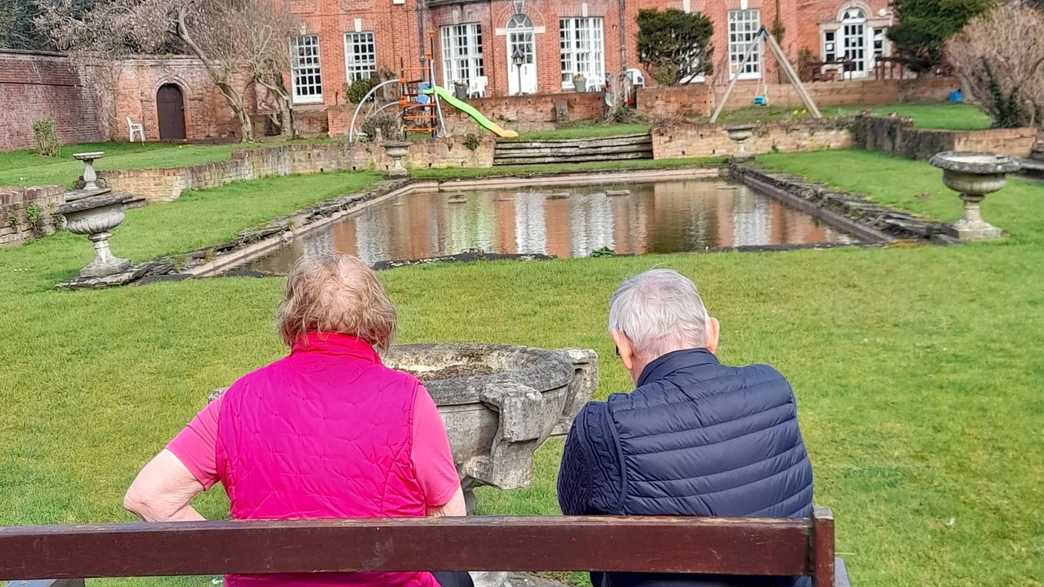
336, 293
659, 311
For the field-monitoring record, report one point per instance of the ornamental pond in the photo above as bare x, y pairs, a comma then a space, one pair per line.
563, 221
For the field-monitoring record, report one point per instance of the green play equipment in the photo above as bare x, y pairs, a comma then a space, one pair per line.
470, 110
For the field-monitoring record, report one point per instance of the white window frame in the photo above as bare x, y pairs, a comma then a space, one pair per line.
743, 25
582, 46
828, 49
879, 34
521, 35
360, 56
854, 45
306, 70
462, 59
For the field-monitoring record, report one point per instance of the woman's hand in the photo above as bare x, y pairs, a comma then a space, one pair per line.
163, 491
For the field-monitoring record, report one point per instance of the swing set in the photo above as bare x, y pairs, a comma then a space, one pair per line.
761, 99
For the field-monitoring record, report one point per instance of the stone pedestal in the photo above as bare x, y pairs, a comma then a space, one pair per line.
971, 226
90, 178
974, 175
396, 151
96, 216
739, 134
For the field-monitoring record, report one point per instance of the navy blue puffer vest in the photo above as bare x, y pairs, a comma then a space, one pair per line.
696, 438
699, 438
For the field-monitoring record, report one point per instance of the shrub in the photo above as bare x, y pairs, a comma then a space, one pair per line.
47, 143
385, 125
35, 217
925, 25
674, 45
357, 90
1000, 58
471, 141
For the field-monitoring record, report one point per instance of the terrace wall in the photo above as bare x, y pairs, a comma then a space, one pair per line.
34, 86
14, 205
708, 140
248, 164
697, 100
899, 137
520, 113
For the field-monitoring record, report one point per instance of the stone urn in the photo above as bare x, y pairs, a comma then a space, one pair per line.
500, 402
974, 175
96, 213
90, 177
739, 134
396, 150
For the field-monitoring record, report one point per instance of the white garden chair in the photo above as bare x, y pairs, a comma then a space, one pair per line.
135, 128
477, 86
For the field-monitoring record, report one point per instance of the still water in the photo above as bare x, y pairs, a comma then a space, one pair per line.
662, 217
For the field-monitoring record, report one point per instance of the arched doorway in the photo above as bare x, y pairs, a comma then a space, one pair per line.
853, 39
170, 106
521, 46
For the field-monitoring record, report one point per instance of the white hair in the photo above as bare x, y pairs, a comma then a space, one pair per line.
659, 311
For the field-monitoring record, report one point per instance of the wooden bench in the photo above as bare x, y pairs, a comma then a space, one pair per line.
64, 555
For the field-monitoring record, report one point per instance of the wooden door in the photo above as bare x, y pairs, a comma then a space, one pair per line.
170, 105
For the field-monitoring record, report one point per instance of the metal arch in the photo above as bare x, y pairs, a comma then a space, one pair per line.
351, 128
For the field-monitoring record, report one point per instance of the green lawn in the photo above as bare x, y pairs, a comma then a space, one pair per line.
917, 369
940, 115
25, 168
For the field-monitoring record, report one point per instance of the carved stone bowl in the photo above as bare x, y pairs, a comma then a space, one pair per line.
500, 402
974, 173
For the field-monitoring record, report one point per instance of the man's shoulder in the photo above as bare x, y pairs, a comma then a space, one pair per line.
590, 425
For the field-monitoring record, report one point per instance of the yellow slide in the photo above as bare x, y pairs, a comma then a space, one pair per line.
472, 112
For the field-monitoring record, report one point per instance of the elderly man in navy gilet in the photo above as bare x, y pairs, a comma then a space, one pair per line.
695, 438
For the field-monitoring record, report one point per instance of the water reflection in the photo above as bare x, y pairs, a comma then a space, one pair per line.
566, 222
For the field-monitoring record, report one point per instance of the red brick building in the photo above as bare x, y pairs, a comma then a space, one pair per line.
508, 47
497, 48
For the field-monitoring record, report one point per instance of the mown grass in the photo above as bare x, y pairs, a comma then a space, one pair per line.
940, 115
917, 369
26, 168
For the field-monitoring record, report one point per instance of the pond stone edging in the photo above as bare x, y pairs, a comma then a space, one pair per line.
178, 267
853, 213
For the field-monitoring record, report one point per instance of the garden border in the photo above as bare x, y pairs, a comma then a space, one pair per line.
843, 210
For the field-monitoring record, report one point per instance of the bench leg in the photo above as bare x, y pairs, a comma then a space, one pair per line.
841, 573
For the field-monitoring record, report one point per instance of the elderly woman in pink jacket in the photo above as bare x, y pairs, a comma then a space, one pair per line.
325, 432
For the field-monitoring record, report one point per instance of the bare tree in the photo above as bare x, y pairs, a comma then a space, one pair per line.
999, 56
263, 35
239, 42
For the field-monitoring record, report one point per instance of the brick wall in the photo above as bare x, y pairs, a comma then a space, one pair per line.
706, 140
898, 136
207, 115
695, 100
690, 101
520, 113
15, 203
36, 86
247, 164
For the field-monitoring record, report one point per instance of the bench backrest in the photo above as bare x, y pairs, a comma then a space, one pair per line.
741, 546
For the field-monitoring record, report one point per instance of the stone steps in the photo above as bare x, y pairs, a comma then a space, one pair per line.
618, 148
